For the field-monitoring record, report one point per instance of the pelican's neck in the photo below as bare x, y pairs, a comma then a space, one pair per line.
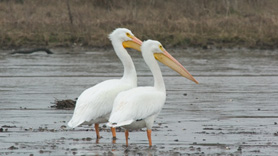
129, 69
155, 69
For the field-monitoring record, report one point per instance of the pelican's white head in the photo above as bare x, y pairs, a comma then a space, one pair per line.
152, 46
126, 37
164, 57
121, 34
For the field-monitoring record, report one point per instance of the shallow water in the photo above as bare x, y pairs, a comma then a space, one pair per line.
232, 111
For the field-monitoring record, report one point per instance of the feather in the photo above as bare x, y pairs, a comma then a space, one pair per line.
127, 122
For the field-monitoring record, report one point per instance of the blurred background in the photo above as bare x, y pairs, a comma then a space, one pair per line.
176, 23
229, 46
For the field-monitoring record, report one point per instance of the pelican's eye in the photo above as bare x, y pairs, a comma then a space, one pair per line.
128, 35
160, 47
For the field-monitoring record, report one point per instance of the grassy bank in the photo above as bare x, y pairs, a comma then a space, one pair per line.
176, 23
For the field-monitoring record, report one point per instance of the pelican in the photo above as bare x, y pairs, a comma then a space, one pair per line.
138, 107
94, 105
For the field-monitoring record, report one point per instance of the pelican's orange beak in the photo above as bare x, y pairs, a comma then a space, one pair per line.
135, 43
171, 62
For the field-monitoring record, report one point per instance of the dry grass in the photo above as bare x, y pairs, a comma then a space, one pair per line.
176, 23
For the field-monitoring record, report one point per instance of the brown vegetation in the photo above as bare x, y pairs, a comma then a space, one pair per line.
176, 23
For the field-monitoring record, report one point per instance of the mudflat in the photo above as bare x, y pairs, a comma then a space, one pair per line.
233, 111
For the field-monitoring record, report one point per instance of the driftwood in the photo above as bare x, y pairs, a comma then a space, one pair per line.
32, 51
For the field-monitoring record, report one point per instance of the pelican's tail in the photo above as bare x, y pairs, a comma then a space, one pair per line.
119, 124
74, 123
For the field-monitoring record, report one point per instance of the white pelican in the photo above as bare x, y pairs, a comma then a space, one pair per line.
138, 107
95, 104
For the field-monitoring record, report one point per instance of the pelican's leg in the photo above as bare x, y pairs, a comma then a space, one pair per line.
149, 134
113, 130
97, 130
97, 140
126, 137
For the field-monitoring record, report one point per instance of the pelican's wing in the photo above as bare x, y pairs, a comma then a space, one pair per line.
96, 101
136, 104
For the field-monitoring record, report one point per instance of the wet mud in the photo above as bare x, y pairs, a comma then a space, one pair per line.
233, 111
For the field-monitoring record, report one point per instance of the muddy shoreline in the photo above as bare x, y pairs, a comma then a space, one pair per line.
211, 46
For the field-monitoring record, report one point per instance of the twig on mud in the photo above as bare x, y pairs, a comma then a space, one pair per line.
64, 104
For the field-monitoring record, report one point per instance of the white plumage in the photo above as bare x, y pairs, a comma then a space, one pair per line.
95, 104
136, 104
138, 107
